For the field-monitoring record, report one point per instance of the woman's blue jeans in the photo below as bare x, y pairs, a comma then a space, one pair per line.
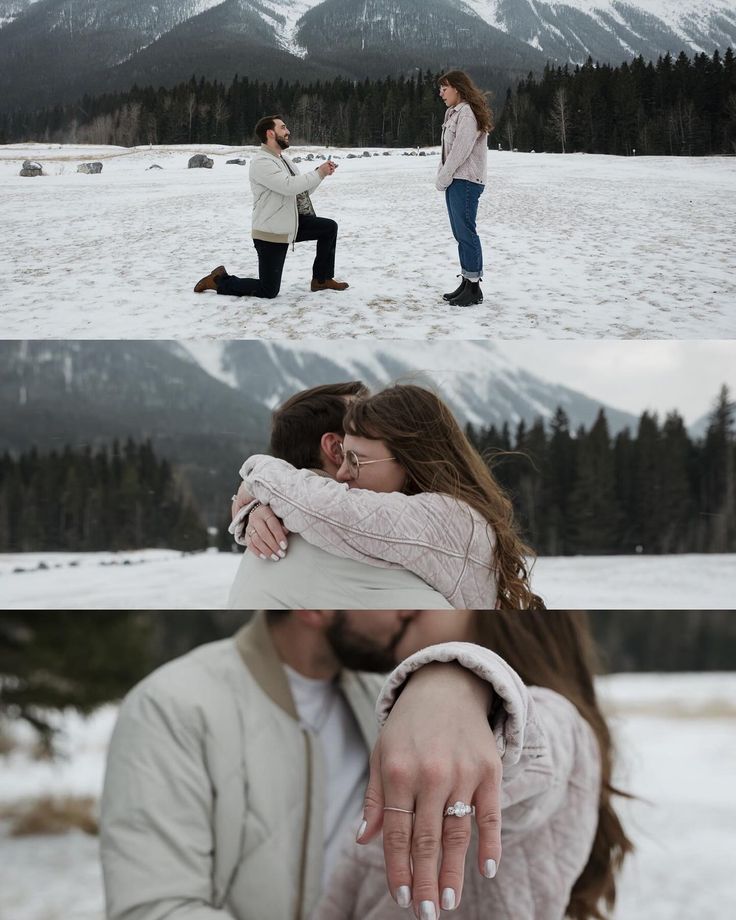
462, 199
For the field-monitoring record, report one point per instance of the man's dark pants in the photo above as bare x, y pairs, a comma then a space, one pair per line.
271, 258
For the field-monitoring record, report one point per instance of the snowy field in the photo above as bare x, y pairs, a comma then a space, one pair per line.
677, 753
166, 579
576, 247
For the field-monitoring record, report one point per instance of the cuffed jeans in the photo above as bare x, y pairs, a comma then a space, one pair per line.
271, 257
462, 199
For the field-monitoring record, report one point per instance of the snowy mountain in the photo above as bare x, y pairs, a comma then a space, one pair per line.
613, 30
82, 391
476, 379
60, 49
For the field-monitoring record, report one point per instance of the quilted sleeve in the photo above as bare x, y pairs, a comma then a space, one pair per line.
441, 540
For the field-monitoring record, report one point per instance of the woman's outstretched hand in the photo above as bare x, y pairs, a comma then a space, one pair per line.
436, 748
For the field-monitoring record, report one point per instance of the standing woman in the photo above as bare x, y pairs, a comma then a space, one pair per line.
462, 175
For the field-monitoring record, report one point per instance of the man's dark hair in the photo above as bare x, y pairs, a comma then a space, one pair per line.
297, 426
266, 124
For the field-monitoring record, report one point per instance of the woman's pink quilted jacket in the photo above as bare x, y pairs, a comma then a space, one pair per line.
442, 540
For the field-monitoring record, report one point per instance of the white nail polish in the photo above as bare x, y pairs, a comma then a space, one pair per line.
361, 829
448, 899
489, 868
282, 554
427, 911
274, 557
403, 896
263, 557
283, 544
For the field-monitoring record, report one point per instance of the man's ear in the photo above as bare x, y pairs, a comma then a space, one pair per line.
331, 444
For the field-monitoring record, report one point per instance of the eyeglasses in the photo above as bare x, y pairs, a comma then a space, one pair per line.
354, 463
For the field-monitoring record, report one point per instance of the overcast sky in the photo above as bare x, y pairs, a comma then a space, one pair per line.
636, 375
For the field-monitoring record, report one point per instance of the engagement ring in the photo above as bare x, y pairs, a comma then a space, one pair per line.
459, 810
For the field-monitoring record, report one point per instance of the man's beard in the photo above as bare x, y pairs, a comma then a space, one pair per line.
283, 143
358, 652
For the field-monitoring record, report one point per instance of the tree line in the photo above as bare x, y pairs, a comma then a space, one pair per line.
582, 492
586, 492
393, 112
122, 497
676, 107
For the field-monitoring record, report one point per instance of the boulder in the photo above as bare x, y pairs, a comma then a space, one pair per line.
296, 160
31, 168
352, 156
200, 161
90, 168
422, 153
387, 153
240, 161
366, 153
309, 156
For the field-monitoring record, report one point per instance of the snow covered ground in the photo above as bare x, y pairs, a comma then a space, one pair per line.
576, 247
677, 754
166, 579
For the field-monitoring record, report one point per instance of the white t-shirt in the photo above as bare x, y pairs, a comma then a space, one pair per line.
324, 710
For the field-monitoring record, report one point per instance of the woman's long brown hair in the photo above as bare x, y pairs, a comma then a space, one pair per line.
554, 649
423, 435
469, 92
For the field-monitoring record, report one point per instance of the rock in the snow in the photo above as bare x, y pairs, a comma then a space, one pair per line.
366, 153
310, 156
200, 161
296, 160
31, 168
387, 153
352, 156
241, 161
155, 166
90, 168
422, 153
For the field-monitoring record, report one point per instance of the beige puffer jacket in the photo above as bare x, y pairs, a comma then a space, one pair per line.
275, 212
549, 797
442, 540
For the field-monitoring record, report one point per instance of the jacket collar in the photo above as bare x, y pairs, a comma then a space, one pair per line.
266, 149
259, 655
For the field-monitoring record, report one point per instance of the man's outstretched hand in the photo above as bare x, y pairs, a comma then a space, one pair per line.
327, 168
435, 749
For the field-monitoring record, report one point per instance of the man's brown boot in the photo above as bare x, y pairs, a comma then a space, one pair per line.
209, 282
329, 285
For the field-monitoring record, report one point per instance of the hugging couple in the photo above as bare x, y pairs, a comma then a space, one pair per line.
373, 501
238, 775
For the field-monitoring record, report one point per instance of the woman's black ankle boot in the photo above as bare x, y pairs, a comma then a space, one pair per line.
470, 295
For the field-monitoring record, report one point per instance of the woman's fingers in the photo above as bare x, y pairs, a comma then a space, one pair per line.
277, 532
257, 546
426, 847
488, 818
456, 835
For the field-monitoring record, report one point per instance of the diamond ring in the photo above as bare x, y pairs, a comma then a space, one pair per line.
459, 810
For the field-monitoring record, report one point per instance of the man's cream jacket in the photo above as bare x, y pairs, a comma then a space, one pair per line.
275, 212
214, 793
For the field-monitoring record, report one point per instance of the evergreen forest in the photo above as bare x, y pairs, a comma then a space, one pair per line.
124, 497
585, 491
675, 106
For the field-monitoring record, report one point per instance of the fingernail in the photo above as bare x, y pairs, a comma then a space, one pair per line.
448, 899
361, 829
262, 556
274, 557
282, 554
283, 544
489, 868
403, 896
427, 911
